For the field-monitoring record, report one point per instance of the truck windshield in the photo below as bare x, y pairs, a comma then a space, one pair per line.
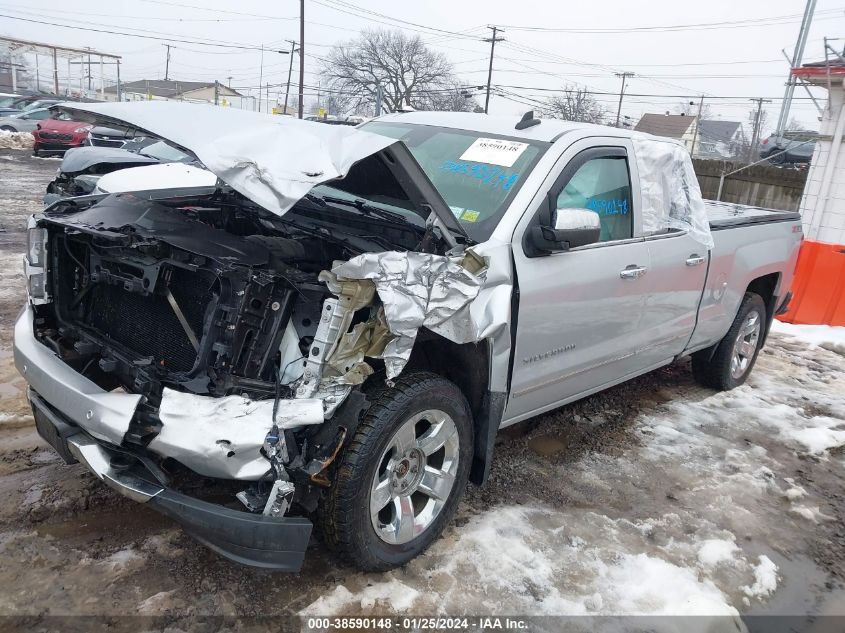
477, 174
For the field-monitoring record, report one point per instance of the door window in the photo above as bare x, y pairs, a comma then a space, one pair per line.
602, 185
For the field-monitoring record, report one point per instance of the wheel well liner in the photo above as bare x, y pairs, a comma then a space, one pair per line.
468, 366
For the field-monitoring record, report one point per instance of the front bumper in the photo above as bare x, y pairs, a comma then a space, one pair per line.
243, 537
84, 423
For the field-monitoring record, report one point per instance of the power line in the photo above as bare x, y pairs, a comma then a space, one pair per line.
782, 19
170, 38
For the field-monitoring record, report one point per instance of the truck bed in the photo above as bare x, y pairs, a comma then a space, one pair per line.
724, 215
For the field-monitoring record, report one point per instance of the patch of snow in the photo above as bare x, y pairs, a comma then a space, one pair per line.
825, 336
811, 513
828, 433
156, 603
765, 579
392, 593
644, 585
121, 560
16, 140
715, 551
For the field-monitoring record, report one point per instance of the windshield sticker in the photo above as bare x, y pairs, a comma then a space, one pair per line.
494, 152
456, 211
470, 216
608, 207
495, 177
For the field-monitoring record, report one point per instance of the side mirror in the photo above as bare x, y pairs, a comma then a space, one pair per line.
572, 228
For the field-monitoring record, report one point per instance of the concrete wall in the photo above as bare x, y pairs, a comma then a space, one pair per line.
761, 185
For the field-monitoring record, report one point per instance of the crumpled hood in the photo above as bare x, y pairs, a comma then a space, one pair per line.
272, 160
78, 159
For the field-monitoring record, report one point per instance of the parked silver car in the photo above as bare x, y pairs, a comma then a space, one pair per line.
25, 121
796, 146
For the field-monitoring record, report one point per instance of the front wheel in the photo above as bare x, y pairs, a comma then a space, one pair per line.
8, 128
735, 355
401, 478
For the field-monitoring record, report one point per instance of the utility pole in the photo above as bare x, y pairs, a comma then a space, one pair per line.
492, 41
624, 76
166, 64
260, 77
797, 56
290, 70
119, 95
755, 137
229, 81
697, 124
89, 72
301, 56
217, 91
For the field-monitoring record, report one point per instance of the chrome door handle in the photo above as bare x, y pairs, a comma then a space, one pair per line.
633, 272
695, 260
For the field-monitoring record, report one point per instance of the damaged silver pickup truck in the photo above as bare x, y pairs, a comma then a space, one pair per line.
337, 329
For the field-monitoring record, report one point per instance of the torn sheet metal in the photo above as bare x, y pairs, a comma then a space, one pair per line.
671, 196
222, 437
442, 293
272, 160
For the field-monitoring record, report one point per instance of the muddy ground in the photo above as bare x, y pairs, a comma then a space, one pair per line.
658, 496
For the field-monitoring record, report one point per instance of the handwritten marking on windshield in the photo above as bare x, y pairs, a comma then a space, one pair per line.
496, 177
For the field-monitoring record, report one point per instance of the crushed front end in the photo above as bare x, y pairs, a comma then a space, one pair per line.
186, 344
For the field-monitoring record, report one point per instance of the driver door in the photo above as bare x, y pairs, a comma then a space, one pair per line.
578, 328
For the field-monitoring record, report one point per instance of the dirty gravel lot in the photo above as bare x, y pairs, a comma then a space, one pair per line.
656, 497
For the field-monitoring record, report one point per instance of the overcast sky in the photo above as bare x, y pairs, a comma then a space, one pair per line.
740, 58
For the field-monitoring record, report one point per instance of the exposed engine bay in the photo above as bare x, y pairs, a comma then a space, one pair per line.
224, 317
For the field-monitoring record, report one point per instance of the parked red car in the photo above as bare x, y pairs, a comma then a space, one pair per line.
58, 134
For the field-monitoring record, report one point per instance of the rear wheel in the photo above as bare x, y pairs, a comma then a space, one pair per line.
736, 353
401, 478
8, 128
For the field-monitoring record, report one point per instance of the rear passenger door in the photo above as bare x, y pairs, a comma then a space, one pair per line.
578, 327
676, 280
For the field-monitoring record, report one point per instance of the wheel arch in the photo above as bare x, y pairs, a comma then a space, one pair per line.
468, 366
768, 288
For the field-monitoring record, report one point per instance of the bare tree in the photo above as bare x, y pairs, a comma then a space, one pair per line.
409, 73
573, 104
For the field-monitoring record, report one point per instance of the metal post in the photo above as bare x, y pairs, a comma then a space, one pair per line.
301, 56
624, 76
755, 137
89, 72
14, 78
697, 124
217, 91
378, 99
797, 56
67, 86
290, 70
102, 80
119, 95
492, 41
167, 64
37, 75
721, 183
260, 77
55, 73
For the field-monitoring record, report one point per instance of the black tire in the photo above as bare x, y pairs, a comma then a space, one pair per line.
716, 372
777, 158
344, 513
8, 128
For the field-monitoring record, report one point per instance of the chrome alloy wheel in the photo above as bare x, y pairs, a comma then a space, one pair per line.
745, 345
415, 476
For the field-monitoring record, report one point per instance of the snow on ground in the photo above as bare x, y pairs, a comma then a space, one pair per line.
690, 520
825, 336
16, 140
